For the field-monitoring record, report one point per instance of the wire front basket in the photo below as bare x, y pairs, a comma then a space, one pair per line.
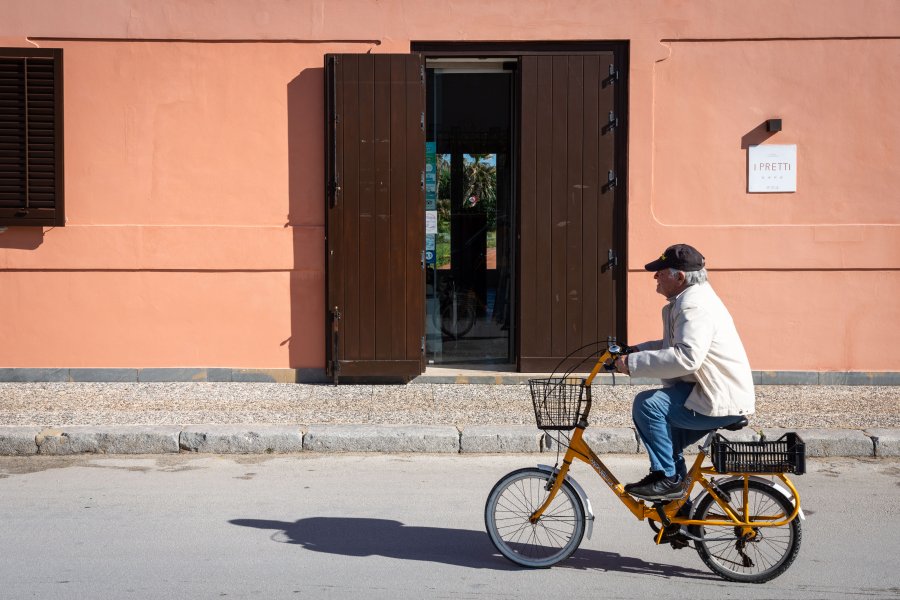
787, 454
557, 402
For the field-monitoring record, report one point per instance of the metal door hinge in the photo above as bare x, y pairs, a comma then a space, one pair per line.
613, 76
612, 123
611, 181
422, 180
422, 73
422, 121
423, 344
423, 259
611, 262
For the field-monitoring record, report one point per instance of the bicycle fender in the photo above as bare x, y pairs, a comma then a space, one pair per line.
774, 484
588, 510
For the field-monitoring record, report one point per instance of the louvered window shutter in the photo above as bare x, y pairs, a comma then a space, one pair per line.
31, 147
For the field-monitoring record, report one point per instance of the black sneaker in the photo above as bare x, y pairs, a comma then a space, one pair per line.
665, 488
653, 477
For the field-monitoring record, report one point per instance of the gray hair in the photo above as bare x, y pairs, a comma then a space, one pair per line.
692, 277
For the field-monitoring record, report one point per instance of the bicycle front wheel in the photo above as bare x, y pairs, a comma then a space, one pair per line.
458, 317
756, 558
507, 513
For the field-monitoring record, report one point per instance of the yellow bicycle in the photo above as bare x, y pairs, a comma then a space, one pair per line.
744, 522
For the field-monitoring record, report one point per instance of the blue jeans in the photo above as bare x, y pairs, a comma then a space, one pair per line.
666, 427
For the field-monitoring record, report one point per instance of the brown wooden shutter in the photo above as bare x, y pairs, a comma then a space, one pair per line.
31, 148
568, 189
375, 215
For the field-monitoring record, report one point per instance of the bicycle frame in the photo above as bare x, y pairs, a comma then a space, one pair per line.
666, 514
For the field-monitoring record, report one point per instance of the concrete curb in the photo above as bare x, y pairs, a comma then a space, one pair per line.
500, 439
18, 441
382, 438
241, 439
622, 440
887, 441
831, 442
121, 439
441, 439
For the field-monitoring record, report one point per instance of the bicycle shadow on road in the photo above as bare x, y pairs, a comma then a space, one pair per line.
460, 547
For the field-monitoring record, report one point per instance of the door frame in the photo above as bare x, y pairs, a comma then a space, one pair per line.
621, 53
514, 197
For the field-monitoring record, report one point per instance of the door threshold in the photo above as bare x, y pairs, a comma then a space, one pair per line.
485, 374
471, 369
497, 375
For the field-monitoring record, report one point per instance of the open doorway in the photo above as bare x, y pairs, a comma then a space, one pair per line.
515, 223
469, 304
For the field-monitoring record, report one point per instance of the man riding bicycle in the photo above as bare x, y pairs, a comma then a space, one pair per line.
706, 375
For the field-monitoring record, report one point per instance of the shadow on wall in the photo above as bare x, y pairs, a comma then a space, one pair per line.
460, 547
756, 136
306, 217
22, 238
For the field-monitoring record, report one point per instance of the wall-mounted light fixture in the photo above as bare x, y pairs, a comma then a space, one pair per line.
773, 125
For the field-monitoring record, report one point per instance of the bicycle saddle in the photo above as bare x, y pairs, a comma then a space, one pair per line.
737, 425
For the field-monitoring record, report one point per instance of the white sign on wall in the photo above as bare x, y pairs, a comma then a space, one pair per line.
772, 168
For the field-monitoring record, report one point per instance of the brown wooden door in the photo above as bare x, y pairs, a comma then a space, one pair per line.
375, 219
568, 189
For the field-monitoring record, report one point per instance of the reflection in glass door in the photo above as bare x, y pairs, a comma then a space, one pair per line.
469, 236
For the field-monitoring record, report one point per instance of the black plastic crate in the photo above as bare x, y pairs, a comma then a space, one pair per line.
787, 454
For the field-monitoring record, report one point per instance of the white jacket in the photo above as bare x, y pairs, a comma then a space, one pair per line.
700, 344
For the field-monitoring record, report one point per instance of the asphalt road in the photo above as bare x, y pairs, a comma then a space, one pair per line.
387, 526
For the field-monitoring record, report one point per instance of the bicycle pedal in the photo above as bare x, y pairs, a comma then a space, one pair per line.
675, 538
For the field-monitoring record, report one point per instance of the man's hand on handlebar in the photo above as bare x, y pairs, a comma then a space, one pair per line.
620, 363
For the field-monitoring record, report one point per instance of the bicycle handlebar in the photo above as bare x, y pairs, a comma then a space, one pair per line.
606, 361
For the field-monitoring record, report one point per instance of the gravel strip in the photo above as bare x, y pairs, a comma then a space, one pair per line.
59, 404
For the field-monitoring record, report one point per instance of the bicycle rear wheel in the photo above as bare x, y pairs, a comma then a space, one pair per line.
553, 538
763, 556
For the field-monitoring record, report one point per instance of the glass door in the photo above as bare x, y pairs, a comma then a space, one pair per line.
469, 212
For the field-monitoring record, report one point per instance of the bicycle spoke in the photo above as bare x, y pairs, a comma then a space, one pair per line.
742, 551
552, 537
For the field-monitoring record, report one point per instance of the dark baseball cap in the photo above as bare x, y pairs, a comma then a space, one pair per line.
679, 256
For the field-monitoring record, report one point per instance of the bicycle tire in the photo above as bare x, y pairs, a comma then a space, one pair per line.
465, 317
760, 559
553, 538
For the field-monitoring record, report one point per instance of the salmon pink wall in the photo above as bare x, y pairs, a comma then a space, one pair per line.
808, 275
194, 170
194, 232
